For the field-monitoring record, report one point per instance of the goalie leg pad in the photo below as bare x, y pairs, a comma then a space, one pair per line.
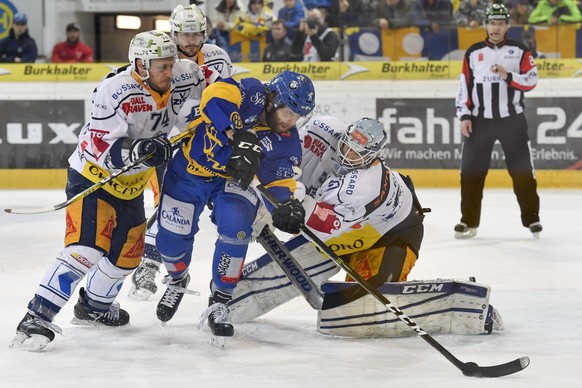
438, 306
264, 286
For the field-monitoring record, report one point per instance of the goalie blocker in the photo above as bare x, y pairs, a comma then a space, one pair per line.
443, 306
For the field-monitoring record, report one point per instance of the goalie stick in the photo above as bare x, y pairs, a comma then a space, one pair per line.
468, 368
296, 274
96, 186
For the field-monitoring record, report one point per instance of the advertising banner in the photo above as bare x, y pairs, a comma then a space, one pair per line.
424, 133
39, 134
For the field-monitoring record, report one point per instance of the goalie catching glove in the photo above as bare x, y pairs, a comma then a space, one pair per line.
289, 216
244, 160
158, 148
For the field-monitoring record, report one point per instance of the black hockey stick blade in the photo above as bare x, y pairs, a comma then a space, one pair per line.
473, 370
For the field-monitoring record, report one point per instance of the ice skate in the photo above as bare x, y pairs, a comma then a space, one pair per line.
168, 305
217, 315
144, 280
493, 321
84, 315
34, 334
462, 231
535, 229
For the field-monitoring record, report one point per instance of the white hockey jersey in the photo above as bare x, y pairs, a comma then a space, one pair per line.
216, 59
350, 212
125, 109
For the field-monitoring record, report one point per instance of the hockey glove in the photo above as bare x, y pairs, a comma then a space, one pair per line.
244, 160
289, 216
158, 148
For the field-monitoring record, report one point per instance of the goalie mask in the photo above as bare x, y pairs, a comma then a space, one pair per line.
361, 143
150, 45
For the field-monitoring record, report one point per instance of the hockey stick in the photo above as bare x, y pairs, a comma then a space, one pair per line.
468, 368
296, 274
96, 186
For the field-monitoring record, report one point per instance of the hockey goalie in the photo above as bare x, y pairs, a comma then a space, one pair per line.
370, 217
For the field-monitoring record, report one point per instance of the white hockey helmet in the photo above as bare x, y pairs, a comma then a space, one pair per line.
366, 138
150, 45
188, 18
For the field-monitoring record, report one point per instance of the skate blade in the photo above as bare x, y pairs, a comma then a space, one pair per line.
139, 294
83, 322
536, 235
465, 235
34, 343
218, 341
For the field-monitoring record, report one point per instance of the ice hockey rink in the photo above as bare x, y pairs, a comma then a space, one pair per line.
536, 285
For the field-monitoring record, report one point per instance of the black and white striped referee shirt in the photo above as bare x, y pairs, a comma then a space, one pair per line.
485, 94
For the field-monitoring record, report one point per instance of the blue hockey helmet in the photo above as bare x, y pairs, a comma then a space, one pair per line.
293, 90
20, 18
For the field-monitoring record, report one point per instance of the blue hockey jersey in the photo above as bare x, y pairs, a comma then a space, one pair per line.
228, 104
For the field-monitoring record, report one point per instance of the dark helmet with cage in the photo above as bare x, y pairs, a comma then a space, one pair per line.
361, 143
496, 11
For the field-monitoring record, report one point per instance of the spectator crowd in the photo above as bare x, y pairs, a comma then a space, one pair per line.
311, 30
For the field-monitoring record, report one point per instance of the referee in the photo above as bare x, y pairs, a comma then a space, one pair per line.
496, 73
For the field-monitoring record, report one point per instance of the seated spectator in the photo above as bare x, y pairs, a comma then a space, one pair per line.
314, 42
256, 22
18, 46
391, 14
554, 12
291, 14
519, 12
213, 37
433, 14
225, 16
471, 13
279, 49
72, 50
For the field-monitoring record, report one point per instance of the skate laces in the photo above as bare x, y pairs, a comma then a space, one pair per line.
111, 314
218, 311
47, 324
174, 290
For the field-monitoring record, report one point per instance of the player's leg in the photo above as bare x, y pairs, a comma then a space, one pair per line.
143, 278
182, 202
121, 234
234, 212
389, 260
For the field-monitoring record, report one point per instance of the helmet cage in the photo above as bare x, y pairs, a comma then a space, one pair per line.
365, 138
150, 45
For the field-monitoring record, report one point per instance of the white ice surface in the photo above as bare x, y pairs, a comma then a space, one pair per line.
536, 285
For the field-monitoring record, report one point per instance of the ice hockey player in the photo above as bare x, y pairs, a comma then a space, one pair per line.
370, 216
217, 166
188, 29
132, 113
356, 204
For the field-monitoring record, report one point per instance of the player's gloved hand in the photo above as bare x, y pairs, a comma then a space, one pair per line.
289, 216
158, 147
244, 160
